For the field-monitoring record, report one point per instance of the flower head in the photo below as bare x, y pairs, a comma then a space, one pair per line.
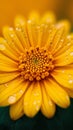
36, 66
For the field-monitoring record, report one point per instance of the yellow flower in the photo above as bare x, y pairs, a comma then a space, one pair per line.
36, 66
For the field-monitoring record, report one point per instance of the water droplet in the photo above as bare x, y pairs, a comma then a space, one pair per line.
12, 35
50, 103
63, 71
68, 44
6, 85
36, 94
37, 107
69, 37
11, 99
29, 21
11, 29
34, 102
71, 81
62, 40
71, 54
21, 91
69, 75
2, 47
18, 29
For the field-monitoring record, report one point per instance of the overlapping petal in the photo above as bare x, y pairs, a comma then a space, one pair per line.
7, 76
48, 107
8, 49
32, 99
57, 93
7, 64
10, 36
64, 76
66, 58
16, 110
12, 91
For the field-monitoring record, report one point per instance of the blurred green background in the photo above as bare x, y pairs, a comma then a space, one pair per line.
63, 120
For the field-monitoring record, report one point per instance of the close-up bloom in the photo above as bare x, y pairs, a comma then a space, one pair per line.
36, 65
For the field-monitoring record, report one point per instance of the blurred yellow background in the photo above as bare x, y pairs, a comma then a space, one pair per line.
10, 8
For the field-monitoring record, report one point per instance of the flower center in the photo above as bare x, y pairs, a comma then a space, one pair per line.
35, 64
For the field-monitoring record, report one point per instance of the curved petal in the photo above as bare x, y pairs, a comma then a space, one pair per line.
32, 100
70, 92
12, 91
33, 31
48, 107
16, 110
10, 36
57, 94
65, 59
6, 77
57, 36
8, 50
64, 76
66, 24
67, 43
7, 64
34, 17
21, 31
48, 17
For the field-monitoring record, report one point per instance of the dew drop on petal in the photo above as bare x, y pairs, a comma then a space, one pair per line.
2, 47
69, 75
68, 44
37, 107
18, 29
11, 99
34, 102
71, 54
11, 29
50, 103
21, 91
63, 71
29, 21
12, 35
6, 85
71, 81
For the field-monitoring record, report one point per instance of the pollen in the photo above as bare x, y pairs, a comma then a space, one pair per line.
35, 64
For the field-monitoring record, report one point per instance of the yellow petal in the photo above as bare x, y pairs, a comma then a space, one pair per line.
65, 44
32, 100
7, 49
21, 31
6, 77
70, 92
34, 17
57, 94
48, 107
16, 110
58, 38
48, 17
10, 36
64, 76
66, 24
65, 59
44, 35
12, 91
7, 64
33, 32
